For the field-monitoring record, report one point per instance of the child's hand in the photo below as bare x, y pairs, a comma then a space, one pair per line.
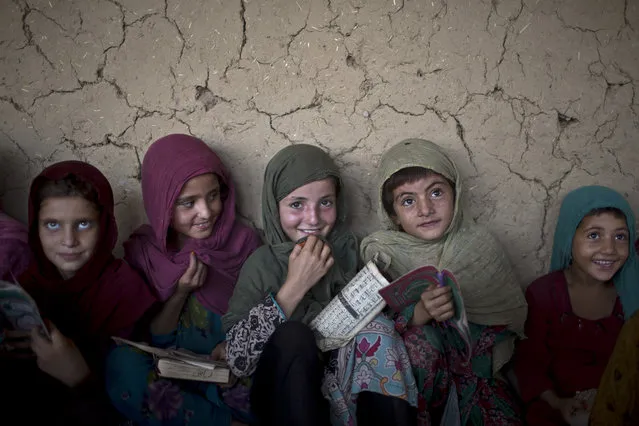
219, 352
569, 408
420, 315
194, 277
308, 264
438, 302
16, 344
59, 357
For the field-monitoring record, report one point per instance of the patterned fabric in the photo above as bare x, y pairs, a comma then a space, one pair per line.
247, 338
439, 359
142, 396
375, 361
617, 401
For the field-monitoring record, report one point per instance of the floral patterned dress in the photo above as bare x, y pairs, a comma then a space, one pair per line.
439, 357
375, 360
147, 399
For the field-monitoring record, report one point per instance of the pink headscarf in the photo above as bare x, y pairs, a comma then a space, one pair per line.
168, 165
15, 254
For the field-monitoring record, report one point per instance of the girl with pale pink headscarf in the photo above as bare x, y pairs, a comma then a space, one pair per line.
191, 253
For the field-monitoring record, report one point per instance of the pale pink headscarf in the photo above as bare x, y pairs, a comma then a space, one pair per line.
168, 165
15, 254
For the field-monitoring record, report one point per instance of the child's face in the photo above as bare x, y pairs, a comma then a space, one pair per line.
197, 207
68, 228
424, 208
309, 210
600, 246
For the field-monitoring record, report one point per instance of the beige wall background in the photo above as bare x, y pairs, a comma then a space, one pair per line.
532, 98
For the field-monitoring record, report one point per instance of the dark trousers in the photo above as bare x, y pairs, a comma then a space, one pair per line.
287, 384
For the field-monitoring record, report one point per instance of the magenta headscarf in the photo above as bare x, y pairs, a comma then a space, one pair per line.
15, 254
168, 165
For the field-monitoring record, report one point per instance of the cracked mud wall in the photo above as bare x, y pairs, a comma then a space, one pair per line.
532, 98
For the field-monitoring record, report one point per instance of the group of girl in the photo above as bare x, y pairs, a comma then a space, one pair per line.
197, 278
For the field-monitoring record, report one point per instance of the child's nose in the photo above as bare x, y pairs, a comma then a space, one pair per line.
69, 238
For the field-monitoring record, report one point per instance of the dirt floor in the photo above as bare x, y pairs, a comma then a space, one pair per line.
532, 98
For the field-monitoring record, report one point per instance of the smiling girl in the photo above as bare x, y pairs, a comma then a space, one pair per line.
190, 254
282, 288
577, 311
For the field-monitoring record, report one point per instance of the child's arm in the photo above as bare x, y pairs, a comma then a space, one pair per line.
167, 320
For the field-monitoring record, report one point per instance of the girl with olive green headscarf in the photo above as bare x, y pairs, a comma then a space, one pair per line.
284, 285
420, 193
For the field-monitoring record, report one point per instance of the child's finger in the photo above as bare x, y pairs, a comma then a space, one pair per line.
295, 252
326, 252
38, 343
192, 269
329, 262
311, 241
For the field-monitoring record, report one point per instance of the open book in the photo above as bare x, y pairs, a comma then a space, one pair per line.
366, 295
19, 311
183, 364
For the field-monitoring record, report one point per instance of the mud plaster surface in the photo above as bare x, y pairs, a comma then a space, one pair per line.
532, 98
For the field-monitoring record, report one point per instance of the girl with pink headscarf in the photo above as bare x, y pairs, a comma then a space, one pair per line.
191, 253
14, 248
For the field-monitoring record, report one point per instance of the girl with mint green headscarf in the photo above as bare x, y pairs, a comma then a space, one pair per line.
576, 312
369, 380
420, 195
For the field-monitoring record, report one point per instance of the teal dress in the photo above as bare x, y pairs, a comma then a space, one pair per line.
147, 399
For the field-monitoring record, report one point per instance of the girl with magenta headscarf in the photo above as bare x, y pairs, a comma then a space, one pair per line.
14, 248
190, 253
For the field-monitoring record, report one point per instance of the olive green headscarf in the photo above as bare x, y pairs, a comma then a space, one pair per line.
265, 270
491, 293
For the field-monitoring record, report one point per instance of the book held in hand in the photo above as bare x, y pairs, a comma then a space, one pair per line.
19, 311
366, 295
183, 364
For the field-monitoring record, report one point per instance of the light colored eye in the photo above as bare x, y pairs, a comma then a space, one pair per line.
407, 202
85, 224
52, 226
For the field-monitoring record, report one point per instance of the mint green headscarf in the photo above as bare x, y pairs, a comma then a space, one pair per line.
574, 208
265, 270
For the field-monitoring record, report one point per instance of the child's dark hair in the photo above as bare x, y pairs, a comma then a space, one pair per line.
401, 177
612, 210
70, 186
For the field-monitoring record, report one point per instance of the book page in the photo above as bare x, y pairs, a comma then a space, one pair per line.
351, 309
196, 360
19, 308
174, 369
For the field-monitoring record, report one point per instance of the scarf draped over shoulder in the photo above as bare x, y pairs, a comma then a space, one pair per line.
491, 292
265, 271
168, 165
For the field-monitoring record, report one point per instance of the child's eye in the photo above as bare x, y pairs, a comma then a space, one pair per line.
407, 202
326, 203
437, 193
295, 205
621, 237
186, 204
593, 235
52, 226
84, 225
213, 196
